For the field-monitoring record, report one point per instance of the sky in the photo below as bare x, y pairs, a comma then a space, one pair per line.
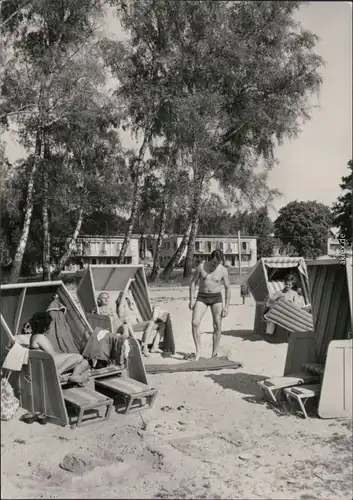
311, 166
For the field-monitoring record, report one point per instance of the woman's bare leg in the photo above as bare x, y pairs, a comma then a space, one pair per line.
146, 337
66, 362
80, 373
157, 338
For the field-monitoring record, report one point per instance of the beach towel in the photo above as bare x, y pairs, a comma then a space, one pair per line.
106, 346
16, 358
60, 334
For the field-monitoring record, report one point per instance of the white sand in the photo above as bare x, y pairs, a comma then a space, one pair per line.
222, 442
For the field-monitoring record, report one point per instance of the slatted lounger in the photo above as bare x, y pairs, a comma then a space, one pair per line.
136, 395
302, 394
84, 399
271, 388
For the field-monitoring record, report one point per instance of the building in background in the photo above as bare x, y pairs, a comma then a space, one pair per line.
102, 250
205, 244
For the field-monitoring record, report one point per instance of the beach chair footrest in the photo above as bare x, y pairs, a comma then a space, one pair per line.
272, 386
85, 399
302, 394
137, 396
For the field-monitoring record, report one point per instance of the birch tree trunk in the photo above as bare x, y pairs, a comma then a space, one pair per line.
191, 242
194, 220
45, 216
138, 185
21, 246
160, 237
67, 254
177, 255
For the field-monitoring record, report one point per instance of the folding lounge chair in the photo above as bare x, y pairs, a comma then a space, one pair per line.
49, 396
302, 394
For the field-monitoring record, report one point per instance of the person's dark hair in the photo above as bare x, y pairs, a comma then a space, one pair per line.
218, 254
40, 322
289, 278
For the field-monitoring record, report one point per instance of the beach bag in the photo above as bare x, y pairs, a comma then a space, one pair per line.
9, 403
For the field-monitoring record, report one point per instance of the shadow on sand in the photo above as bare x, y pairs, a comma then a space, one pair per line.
245, 383
251, 336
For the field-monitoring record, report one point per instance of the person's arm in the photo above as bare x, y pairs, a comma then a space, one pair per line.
275, 297
227, 292
44, 344
192, 288
124, 296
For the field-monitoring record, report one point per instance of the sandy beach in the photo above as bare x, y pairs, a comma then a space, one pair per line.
209, 434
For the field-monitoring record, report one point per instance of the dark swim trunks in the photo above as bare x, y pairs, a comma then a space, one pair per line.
209, 299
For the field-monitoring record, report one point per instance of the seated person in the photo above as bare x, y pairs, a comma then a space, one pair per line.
300, 301
153, 330
103, 308
40, 324
287, 293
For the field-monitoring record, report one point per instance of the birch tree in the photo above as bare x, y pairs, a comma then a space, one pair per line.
42, 38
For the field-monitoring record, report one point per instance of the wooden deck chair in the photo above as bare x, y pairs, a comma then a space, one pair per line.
267, 278
301, 350
41, 391
112, 279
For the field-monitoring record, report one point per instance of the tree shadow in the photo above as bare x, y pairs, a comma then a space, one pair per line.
245, 383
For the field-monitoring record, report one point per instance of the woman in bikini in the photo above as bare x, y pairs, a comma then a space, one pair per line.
210, 276
40, 323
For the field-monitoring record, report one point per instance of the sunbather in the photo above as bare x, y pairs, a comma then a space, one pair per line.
40, 324
104, 308
153, 329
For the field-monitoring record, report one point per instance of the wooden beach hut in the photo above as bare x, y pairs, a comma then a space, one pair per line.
112, 279
265, 280
326, 352
37, 383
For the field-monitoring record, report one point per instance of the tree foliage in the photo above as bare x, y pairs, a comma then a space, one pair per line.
305, 226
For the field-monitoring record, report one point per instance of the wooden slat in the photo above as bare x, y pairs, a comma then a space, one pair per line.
19, 310
122, 384
83, 396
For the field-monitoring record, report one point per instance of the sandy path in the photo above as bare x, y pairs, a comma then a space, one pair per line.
208, 435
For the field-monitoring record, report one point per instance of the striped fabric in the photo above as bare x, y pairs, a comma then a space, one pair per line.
330, 304
275, 286
289, 316
283, 262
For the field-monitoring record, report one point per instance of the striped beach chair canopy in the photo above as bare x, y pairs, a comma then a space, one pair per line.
268, 275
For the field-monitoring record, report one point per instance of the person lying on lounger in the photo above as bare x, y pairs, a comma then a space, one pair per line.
153, 329
64, 362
